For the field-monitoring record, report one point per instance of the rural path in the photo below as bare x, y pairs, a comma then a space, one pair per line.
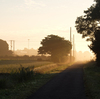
68, 84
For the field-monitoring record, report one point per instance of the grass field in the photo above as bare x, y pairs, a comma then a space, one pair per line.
92, 80
18, 86
9, 66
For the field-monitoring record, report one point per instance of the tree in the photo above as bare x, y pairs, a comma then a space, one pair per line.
4, 50
55, 46
95, 46
89, 26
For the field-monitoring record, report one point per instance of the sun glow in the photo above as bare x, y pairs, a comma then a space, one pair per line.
34, 20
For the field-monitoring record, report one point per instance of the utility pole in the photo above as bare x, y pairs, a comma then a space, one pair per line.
71, 42
12, 45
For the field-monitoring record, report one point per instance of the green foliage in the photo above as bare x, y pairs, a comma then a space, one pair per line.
26, 88
92, 80
95, 46
89, 26
56, 46
94, 11
89, 23
3, 84
22, 74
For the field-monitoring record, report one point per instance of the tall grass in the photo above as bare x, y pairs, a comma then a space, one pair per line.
7, 68
22, 74
24, 81
92, 80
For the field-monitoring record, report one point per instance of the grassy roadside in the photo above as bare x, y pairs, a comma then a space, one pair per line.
92, 80
25, 89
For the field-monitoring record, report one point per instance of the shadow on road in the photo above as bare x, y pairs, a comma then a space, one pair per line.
68, 84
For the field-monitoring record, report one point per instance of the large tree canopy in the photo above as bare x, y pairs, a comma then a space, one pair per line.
56, 46
90, 22
89, 26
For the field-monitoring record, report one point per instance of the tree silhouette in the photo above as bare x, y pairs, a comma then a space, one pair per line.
4, 50
89, 26
95, 46
56, 46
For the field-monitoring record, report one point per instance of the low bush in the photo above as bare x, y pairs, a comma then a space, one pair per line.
22, 74
3, 83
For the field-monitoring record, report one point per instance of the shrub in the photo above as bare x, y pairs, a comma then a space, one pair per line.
22, 74
2, 83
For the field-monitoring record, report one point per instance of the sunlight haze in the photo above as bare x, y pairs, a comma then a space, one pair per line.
21, 20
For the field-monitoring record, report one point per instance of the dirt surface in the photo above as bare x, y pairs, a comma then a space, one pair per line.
66, 85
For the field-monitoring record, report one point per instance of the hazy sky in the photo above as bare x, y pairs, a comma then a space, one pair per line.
21, 20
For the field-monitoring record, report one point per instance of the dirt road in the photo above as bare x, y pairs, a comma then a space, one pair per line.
66, 85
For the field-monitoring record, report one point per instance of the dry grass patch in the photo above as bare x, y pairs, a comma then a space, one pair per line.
7, 68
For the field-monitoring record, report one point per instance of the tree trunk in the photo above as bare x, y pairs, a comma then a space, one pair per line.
98, 59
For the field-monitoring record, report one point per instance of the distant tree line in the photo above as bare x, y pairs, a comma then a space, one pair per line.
26, 51
4, 49
26, 57
57, 49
